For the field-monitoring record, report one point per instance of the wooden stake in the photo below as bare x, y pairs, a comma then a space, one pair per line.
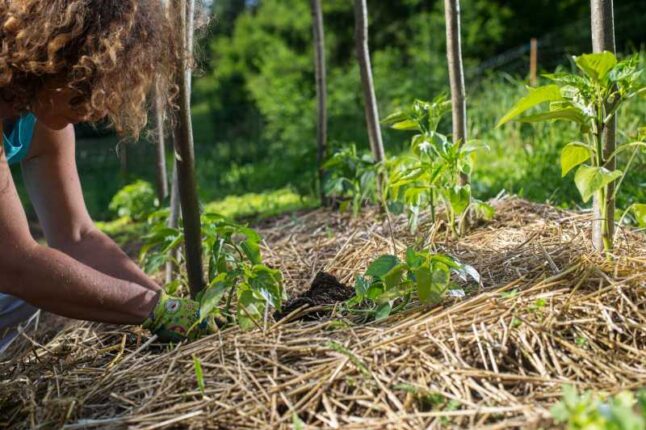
603, 39
185, 158
533, 61
456, 75
370, 98
161, 176
321, 91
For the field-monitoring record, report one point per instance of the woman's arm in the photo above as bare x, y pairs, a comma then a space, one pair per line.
55, 282
54, 188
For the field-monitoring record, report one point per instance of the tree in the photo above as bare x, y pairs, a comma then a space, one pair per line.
456, 75
321, 90
603, 208
184, 152
365, 67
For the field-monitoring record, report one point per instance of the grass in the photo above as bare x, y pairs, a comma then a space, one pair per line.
251, 205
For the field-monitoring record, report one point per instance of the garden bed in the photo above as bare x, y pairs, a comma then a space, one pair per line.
549, 312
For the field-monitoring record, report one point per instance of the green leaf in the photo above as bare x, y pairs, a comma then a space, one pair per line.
383, 311
589, 180
213, 295
639, 210
382, 265
413, 259
564, 114
535, 97
395, 117
251, 245
393, 278
596, 65
199, 374
424, 283
459, 198
361, 286
375, 291
406, 125
572, 155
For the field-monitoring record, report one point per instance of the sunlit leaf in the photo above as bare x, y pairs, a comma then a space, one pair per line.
383, 311
566, 114
596, 65
639, 210
573, 155
535, 97
589, 180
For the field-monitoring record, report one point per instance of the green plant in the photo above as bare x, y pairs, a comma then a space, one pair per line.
591, 411
235, 269
432, 170
389, 283
590, 100
352, 179
135, 201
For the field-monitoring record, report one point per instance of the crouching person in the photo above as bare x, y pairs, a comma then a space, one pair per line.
63, 62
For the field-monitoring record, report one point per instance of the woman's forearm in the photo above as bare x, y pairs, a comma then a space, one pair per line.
57, 283
98, 251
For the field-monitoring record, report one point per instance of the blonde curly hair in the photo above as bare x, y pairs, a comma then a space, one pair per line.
113, 53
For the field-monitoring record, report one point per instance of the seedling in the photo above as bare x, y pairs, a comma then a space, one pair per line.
235, 269
590, 100
352, 179
389, 283
431, 172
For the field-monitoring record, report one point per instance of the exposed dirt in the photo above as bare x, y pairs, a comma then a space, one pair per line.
325, 290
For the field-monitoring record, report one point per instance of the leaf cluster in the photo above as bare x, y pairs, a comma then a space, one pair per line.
389, 283
588, 410
589, 99
432, 169
235, 268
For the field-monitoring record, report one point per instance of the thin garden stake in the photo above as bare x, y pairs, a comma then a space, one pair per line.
321, 91
603, 208
370, 99
456, 75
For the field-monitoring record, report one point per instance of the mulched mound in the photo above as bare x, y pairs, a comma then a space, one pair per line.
549, 312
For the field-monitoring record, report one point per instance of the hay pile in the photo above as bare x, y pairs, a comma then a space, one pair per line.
549, 312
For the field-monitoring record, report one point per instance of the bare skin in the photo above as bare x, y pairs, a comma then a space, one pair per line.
83, 274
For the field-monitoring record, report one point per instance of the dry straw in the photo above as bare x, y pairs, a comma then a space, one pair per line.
549, 312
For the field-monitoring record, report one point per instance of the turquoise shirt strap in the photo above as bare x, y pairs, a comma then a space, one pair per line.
18, 142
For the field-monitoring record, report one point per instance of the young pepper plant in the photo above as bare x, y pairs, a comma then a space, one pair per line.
390, 283
235, 269
589, 99
431, 172
352, 179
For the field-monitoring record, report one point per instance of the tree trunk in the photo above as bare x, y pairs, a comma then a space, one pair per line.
456, 75
370, 99
603, 208
321, 91
185, 161
161, 177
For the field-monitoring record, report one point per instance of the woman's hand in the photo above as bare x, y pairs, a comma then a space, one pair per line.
174, 319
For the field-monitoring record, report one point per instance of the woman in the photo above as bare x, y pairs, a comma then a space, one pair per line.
63, 62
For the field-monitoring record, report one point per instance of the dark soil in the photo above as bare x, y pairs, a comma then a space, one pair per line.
326, 290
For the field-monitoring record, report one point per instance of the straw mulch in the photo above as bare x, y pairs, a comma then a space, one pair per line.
549, 312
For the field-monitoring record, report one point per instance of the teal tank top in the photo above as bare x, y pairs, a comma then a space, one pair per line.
17, 143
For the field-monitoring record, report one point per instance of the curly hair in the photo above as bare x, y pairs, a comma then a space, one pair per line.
114, 53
